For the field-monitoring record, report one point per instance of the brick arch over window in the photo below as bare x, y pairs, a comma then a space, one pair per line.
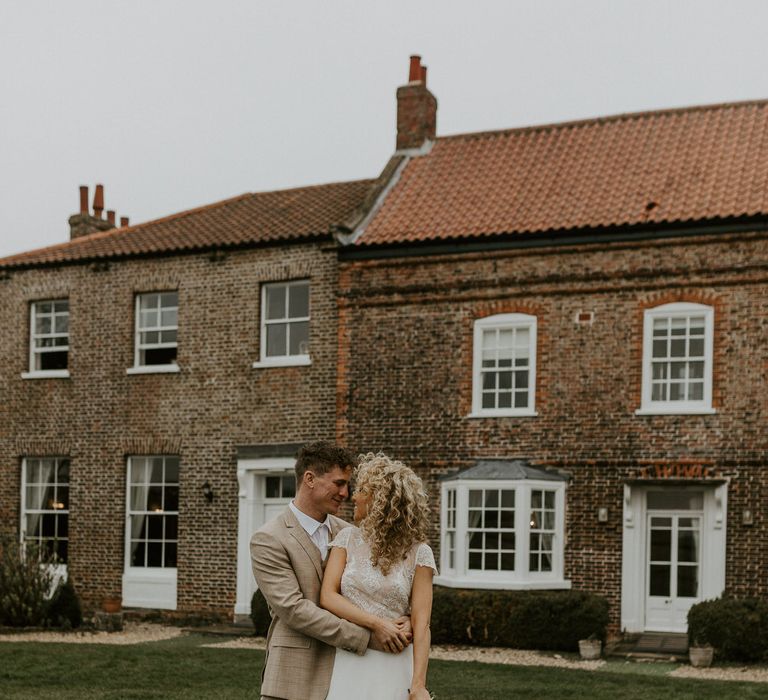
481, 310
676, 296
677, 388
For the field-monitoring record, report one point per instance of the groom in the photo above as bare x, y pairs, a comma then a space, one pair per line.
287, 555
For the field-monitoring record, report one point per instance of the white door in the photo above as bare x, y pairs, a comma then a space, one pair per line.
277, 490
674, 558
263, 496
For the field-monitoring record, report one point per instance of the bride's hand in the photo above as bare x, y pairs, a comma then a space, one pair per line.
404, 623
419, 694
390, 635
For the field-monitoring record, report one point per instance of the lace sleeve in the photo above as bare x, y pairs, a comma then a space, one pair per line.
425, 557
342, 538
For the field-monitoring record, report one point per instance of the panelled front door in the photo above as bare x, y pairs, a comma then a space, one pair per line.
674, 558
278, 490
266, 488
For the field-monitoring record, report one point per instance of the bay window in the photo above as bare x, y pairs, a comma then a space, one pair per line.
502, 526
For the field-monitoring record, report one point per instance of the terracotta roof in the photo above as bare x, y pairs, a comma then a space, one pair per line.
681, 165
265, 217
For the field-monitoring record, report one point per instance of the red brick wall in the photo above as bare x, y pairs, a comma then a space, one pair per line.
406, 386
217, 402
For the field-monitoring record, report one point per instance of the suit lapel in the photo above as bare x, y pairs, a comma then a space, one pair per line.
337, 525
301, 536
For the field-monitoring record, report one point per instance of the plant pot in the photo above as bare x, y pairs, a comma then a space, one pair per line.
590, 649
701, 657
112, 605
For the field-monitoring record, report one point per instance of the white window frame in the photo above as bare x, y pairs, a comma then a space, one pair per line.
282, 360
677, 309
138, 368
460, 576
145, 586
503, 321
59, 570
34, 352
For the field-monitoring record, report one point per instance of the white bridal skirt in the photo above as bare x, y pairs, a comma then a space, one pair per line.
374, 676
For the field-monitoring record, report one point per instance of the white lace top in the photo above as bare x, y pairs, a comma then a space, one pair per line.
367, 587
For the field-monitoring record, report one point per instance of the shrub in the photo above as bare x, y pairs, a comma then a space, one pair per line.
260, 614
736, 628
65, 610
547, 620
25, 585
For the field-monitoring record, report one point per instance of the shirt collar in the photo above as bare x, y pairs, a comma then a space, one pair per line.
308, 523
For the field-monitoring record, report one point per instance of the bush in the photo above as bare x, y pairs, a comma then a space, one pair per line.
65, 610
260, 614
736, 628
547, 620
25, 585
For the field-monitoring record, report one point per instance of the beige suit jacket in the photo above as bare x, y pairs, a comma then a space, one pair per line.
302, 637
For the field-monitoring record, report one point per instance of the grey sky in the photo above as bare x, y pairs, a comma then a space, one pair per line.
173, 104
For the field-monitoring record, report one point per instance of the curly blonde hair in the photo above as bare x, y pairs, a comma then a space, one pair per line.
398, 512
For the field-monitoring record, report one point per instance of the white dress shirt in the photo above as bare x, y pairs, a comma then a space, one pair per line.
318, 532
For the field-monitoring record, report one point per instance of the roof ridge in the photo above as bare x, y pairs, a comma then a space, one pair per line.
99, 235
622, 116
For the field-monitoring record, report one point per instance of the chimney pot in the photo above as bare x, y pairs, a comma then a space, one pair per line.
123, 221
111, 216
98, 201
414, 73
424, 75
83, 199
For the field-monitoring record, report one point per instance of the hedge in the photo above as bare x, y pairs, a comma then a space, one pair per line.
736, 628
547, 620
26, 580
260, 614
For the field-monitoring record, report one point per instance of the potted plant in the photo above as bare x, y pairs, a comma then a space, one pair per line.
701, 654
112, 604
591, 647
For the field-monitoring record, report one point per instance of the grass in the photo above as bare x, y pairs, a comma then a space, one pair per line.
183, 668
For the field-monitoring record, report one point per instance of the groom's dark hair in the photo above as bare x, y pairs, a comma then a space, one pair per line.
321, 457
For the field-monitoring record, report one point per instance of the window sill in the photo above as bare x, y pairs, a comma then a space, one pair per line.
150, 573
47, 374
154, 369
503, 414
675, 411
295, 361
501, 585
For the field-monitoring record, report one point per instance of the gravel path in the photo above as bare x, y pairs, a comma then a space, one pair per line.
133, 633
745, 673
487, 655
139, 632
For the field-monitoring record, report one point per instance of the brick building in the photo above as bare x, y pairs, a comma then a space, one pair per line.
561, 327
156, 382
564, 328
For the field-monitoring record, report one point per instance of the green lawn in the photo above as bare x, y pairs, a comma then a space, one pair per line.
182, 668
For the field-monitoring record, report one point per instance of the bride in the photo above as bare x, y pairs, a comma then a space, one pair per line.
377, 572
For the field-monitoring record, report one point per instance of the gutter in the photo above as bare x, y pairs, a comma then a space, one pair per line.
548, 239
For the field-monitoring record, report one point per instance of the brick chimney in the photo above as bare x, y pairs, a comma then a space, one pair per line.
416, 109
83, 223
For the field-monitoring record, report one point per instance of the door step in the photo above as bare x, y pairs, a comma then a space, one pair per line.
652, 645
